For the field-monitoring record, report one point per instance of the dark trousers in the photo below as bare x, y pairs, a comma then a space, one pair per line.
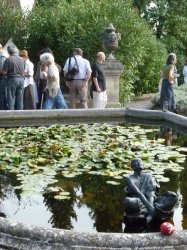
41, 92
3, 93
15, 90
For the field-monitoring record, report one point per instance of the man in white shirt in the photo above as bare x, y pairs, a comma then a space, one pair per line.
79, 83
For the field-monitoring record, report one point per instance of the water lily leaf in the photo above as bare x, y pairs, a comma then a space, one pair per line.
113, 183
61, 197
118, 177
182, 149
71, 175
94, 172
52, 189
41, 160
64, 193
31, 163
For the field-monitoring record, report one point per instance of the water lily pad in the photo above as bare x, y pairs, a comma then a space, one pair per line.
113, 183
61, 197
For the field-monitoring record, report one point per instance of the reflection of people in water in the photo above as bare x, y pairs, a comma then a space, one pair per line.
167, 134
142, 203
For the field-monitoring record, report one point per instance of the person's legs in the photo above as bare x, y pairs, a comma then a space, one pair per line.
48, 102
59, 102
19, 93
97, 99
104, 99
3, 94
28, 99
41, 92
35, 94
171, 99
11, 92
82, 92
73, 94
165, 95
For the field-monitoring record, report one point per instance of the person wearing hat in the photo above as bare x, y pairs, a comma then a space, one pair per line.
13, 68
79, 83
3, 98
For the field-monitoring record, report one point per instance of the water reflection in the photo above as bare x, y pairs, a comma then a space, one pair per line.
167, 134
104, 202
99, 204
62, 210
93, 200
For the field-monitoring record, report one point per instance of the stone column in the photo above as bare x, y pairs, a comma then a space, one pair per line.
113, 69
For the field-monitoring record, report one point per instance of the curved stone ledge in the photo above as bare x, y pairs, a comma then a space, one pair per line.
14, 235
113, 115
21, 236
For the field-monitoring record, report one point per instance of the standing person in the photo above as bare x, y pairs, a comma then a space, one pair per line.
53, 97
98, 87
3, 84
28, 98
41, 82
167, 99
79, 84
185, 72
14, 69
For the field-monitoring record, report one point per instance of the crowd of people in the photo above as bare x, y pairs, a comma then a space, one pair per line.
24, 87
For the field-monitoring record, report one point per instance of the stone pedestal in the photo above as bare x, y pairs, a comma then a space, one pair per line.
113, 69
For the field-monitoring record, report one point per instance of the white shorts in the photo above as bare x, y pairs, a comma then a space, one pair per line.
99, 99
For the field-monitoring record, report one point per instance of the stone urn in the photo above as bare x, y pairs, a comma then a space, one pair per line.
110, 39
113, 68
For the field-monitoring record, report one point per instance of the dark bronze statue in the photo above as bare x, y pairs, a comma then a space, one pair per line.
143, 203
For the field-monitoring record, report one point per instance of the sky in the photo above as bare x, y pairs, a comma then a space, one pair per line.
27, 4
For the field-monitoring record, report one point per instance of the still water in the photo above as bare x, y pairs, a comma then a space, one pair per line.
94, 206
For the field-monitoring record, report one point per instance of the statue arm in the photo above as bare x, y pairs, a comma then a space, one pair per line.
146, 203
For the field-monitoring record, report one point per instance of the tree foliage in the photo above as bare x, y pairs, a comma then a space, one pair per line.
78, 23
168, 20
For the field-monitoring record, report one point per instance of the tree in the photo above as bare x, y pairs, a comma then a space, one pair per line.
168, 21
78, 23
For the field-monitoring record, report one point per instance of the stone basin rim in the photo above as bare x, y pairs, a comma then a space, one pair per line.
15, 235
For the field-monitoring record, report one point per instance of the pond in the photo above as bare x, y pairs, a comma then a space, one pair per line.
72, 177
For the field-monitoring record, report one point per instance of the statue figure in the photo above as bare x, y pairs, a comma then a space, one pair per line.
142, 202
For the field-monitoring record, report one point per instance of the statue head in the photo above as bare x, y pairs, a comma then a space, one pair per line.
137, 164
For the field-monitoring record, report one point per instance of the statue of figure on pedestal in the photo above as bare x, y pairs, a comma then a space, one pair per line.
142, 202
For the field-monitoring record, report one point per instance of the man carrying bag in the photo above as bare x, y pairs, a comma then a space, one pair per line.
78, 81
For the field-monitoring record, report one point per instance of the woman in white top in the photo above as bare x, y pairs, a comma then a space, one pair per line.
53, 98
185, 72
30, 94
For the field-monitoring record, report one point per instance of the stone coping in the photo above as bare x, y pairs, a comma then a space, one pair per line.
71, 116
15, 235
